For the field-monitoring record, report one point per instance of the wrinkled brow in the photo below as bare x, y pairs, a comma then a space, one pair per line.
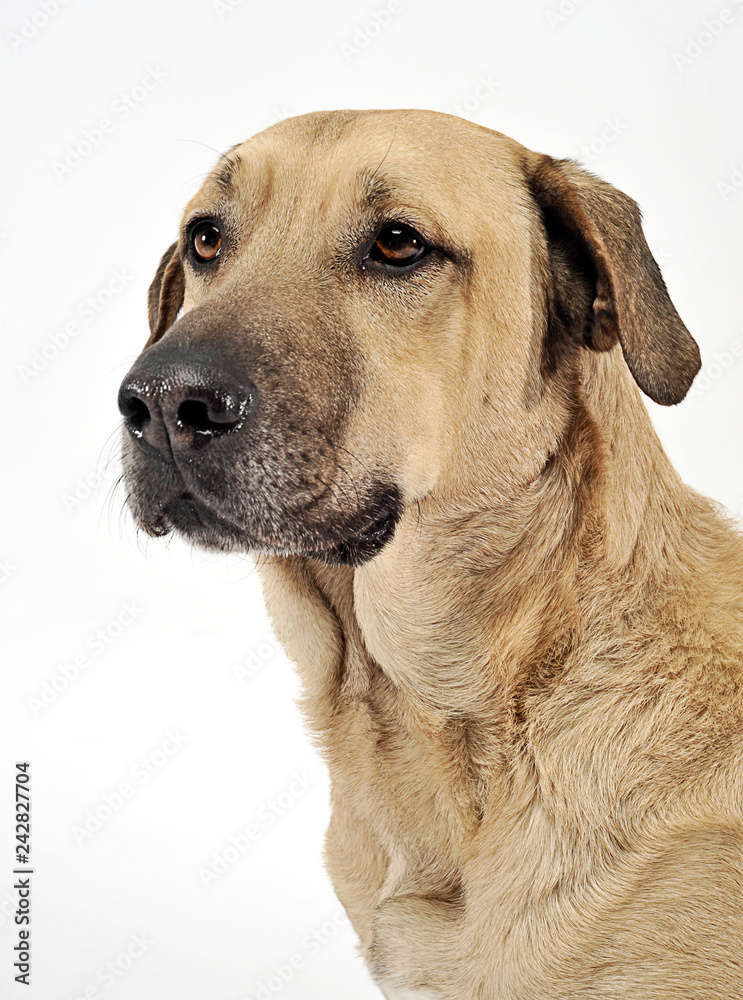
223, 175
374, 190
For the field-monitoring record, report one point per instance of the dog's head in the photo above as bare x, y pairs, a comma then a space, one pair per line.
369, 301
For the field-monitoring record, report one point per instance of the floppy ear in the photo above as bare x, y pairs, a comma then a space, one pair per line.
165, 296
597, 230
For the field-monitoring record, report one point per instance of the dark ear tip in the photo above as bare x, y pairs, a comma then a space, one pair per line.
668, 382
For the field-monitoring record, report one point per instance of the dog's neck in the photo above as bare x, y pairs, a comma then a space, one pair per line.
490, 592
495, 594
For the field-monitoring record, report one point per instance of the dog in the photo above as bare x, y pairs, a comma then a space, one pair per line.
398, 357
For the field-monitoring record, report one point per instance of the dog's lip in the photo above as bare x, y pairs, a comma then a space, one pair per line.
187, 514
186, 511
334, 539
361, 544
185, 507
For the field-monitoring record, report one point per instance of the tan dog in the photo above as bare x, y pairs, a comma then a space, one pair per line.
406, 375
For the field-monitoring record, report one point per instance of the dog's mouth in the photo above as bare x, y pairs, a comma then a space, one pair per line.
349, 540
189, 516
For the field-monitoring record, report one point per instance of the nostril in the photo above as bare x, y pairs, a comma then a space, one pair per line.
196, 415
172, 408
136, 413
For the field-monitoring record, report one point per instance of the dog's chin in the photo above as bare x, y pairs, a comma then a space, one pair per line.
343, 541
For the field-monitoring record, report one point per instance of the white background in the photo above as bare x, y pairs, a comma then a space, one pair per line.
670, 115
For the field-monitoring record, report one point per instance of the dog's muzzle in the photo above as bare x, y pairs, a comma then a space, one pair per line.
233, 466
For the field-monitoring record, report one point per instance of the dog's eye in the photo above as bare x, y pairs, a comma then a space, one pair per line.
398, 245
206, 240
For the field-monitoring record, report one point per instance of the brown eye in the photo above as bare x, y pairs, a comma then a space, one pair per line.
206, 240
398, 245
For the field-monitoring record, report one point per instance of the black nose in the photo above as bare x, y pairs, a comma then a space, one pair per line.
182, 404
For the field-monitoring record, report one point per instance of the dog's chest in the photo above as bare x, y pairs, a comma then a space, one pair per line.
413, 774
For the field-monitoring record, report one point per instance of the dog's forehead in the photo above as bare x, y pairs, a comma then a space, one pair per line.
336, 159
